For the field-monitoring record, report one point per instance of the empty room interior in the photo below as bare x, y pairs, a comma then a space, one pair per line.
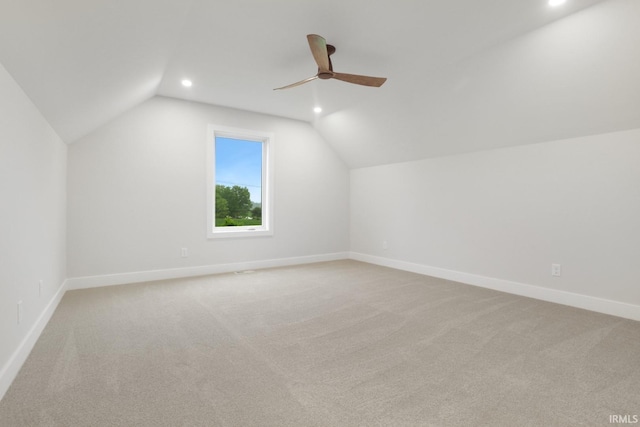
336, 213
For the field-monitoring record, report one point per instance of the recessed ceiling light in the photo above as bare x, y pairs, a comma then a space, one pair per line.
317, 110
187, 83
555, 3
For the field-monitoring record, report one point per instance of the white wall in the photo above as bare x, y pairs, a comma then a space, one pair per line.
137, 193
510, 213
32, 222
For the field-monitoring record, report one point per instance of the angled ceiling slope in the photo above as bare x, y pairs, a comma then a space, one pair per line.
463, 74
84, 62
573, 77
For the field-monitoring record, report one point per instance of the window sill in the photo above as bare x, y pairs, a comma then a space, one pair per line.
239, 232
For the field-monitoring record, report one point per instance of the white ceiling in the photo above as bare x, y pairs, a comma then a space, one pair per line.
463, 75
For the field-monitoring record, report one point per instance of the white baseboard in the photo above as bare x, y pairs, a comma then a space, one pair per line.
174, 273
19, 356
600, 305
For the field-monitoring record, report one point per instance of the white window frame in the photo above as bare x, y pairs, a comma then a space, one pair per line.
268, 140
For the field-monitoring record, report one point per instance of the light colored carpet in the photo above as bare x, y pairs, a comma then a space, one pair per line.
331, 344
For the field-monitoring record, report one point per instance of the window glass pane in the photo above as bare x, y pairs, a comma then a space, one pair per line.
238, 182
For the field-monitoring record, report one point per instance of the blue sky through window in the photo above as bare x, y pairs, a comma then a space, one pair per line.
239, 162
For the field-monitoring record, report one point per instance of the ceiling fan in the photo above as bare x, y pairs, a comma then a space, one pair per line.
321, 53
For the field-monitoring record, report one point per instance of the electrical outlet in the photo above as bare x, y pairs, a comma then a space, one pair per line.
184, 252
385, 245
556, 270
19, 312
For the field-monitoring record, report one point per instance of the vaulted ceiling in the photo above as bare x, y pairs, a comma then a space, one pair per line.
463, 75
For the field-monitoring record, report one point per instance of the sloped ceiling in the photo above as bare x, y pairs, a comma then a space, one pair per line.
463, 75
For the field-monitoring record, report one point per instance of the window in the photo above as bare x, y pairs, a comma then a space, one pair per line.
239, 182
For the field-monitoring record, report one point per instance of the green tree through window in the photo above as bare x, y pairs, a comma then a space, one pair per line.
234, 202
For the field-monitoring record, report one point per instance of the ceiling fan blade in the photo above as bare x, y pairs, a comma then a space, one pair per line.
360, 80
318, 47
298, 83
